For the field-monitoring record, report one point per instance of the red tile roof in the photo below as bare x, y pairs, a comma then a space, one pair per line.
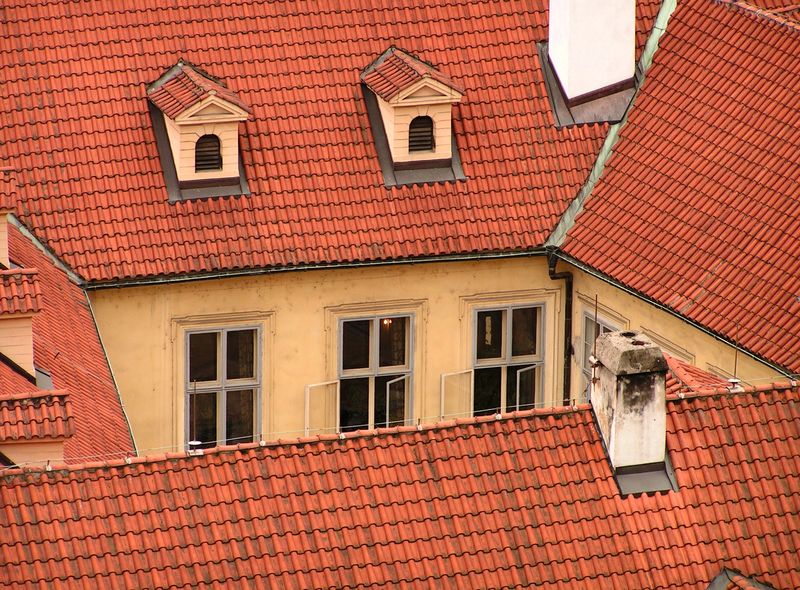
518, 502
66, 344
8, 189
399, 71
12, 381
28, 416
19, 291
184, 86
77, 128
684, 377
698, 207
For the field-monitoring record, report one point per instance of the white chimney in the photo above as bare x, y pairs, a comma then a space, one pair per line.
629, 399
592, 46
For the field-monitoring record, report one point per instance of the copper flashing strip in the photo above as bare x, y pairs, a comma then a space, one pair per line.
594, 94
208, 182
422, 164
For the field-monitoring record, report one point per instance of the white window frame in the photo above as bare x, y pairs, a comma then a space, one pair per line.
536, 360
222, 386
375, 370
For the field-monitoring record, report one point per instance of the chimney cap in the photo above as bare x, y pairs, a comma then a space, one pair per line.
629, 353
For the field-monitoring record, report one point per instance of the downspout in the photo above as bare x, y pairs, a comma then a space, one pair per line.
566, 276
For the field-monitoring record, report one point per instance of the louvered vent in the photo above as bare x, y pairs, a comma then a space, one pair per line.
420, 135
207, 154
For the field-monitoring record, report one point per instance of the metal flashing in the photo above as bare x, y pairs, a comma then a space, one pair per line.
646, 479
598, 107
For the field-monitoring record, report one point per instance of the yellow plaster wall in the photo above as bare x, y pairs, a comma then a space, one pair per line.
16, 340
34, 453
675, 336
143, 329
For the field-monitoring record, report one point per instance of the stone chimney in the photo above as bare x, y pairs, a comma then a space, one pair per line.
592, 46
629, 400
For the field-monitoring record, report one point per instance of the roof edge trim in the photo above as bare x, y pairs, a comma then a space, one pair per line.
225, 274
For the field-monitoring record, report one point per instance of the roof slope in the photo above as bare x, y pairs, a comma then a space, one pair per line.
29, 416
76, 126
398, 71
66, 344
184, 86
486, 503
698, 207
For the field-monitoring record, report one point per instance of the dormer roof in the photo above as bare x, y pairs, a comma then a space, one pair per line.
396, 71
19, 291
185, 86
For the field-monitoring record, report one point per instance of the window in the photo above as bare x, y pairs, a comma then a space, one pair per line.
207, 155
591, 330
223, 385
374, 372
507, 359
420, 135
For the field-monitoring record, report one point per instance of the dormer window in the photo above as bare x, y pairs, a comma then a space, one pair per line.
197, 121
420, 135
410, 106
207, 155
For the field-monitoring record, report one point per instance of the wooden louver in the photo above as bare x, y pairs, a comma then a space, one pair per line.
207, 155
420, 135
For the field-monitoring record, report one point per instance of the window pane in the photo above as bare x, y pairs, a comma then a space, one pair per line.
203, 418
392, 342
523, 331
487, 391
354, 404
355, 344
490, 334
527, 388
241, 354
397, 401
239, 414
203, 357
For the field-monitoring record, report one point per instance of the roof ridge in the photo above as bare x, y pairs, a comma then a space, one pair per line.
397, 431
55, 393
730, 391
28, 271
773, 15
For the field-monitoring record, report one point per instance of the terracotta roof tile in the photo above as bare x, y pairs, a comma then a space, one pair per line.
184, 86
28, 416
66, 344
697, 207
91, 184
684, 377
19, 291
518, 502
398, 71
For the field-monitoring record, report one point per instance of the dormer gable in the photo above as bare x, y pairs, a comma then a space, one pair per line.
414, 102
199, 131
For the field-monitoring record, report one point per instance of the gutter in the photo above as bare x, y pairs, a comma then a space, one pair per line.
225, 274
566, 276
639, 295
